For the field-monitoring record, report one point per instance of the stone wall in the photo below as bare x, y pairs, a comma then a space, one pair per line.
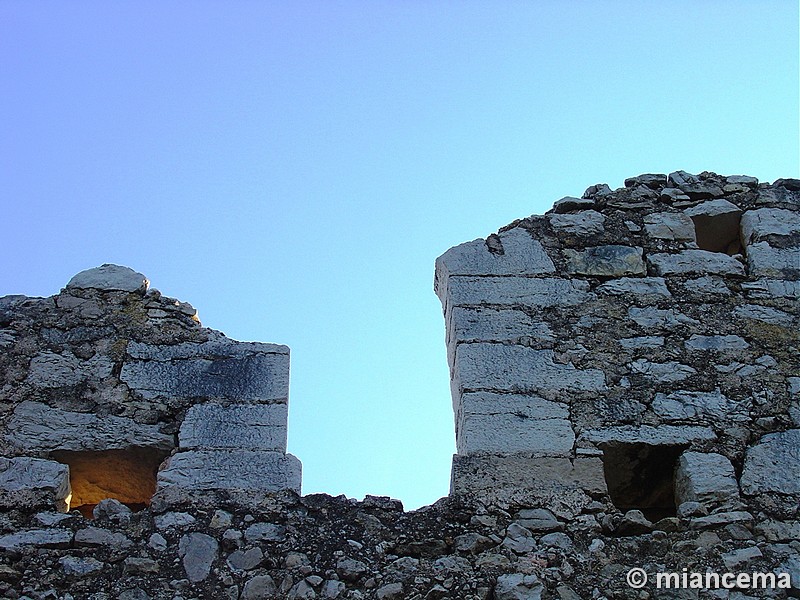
626, 392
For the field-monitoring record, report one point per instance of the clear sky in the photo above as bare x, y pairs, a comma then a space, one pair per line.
293, 169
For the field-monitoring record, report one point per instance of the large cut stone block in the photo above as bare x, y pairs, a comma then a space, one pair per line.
510, 291
231, 470
30, 482
219, 369
582, 224
664, 435
692, 406
767, 224
695, 261
706, 478
512, 252
110, 277
239, 426
471, 474
518, 369
773, 464
36, 427
765, 261
670, 226
606, 261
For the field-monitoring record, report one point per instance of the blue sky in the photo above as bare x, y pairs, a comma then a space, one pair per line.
293, 169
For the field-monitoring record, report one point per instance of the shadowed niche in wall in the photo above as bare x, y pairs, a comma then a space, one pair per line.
642, 477
125, 475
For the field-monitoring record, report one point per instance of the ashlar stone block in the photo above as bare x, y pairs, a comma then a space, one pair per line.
512, 291
773, 464
765, 261
239, 426
697, 262
31, 482
670, 226
704, 477
767, 224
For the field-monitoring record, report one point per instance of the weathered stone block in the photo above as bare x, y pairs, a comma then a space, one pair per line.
36, 538
670, 226
38, 427
483, 324
510, 291
518, 369
110, 277
642, 287
663, 435
704, 477
50, 370
695, 261
218, 369
583, 224
512, 252
239, 426
659, 318
691, 406
717, 343
768, 224
765, 261
605, 261
773, 464
231, 470
30, 482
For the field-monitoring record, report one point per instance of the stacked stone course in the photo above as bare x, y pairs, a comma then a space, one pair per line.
626, 391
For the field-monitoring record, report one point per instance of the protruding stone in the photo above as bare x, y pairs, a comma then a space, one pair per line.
109, 278
696, 261
704, 477
772, 465
198, 552
671, 226
570, 203
32, 482
765, 261
583, 224
239, 426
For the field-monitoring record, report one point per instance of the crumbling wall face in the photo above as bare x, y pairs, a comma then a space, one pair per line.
111, 379
640, 338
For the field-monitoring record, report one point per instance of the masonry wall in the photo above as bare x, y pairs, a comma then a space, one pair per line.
625, 386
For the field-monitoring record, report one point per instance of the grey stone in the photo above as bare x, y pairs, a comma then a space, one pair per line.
518, 586
772, 465
649, 342
769, 224
259, 587
642, 287
80, 566
50, 519
605, 261
519, 539
198, 552
484, 324
583, 224
707, 285
539, 520
111, 509
36, 538
215, 370
745, 180
157, 542
765, 261
669, 372
265, 532
700, 190
390, 591
350, 569
663, 435
772, 288
570, 203
717, 343
515, 291
696, 261
138, 565
240, 426
721, 519
110, 277
512, 432
332, 589
32, 482
672, 194
518, 254
657, 318
765, 314
704, 477
472, 543
173, 520
651, 180
95, 536
231, 469
557, 540
670, 226
300, 591
691, 406
633, 523
518, 369
245, 560
50, 370
736, 558
779, 531
37, 427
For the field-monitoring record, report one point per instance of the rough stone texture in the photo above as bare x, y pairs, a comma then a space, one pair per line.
606, 261
33, 482
233, 469
772, 465
109, 277
670, 226
239, 426
697, 262
705, 478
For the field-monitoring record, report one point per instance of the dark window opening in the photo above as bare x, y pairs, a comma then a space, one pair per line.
641, 476
126, 475
718, 233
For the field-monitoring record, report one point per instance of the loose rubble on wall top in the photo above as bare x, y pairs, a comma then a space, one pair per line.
626, 391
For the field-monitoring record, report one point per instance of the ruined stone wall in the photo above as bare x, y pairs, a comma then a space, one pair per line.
625, 386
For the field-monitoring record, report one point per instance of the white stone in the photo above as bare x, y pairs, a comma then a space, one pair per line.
695, 261
662, 372
483, 324
231, 469
657, 318
638, 286
765, 314
110, 277
518, 369
50, 370
582, 224
765, 261
37, 427
239, 426
769, 223
773, 464
512, 291
670, 226
704, 477
691, 406
31, 482
663, 435
775, 288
